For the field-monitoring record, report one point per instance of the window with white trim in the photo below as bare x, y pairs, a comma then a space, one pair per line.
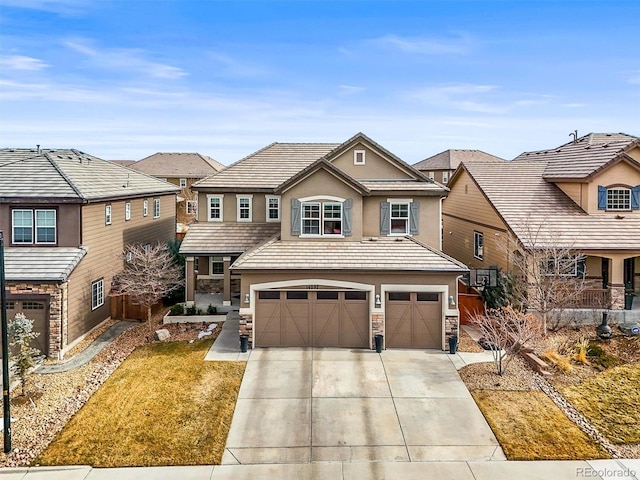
127, 211
107, 214
399, 218
432, 175
39, 223
145, 208
97, 294
317, 214
618, 199
562, 266
244, 203
359, 157
183, 182
273, 208
156, 208
192, 207
445, 177
478, 245
217, 266
215, 206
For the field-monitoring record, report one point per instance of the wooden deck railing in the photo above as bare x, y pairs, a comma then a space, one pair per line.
593, 298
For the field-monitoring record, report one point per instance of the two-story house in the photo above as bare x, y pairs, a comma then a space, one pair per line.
65, 217
326, 245
183, 170
441, 166
583, 195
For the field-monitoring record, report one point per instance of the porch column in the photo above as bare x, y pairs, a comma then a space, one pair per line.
189, 279
226, 300
616, 285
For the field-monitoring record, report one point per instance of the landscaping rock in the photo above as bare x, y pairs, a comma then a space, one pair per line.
162, 334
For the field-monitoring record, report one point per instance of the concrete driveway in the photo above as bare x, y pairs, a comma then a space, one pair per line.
301, 405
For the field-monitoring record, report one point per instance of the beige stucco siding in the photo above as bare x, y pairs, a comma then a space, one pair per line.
375, 166
629, 174
578, 192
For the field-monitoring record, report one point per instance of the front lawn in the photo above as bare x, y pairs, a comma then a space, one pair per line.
529, 426
164, 405
611, 402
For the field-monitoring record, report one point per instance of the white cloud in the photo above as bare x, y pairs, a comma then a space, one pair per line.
457, 45
227, 65
350, 89
62, 7
22, 62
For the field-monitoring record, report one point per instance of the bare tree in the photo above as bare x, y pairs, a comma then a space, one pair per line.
507, 332
548, 272
149, 274
21, 333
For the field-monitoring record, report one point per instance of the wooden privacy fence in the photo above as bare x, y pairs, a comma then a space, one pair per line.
469, 304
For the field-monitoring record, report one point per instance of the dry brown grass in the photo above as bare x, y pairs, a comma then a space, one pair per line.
529, 426
163, 406
611, 402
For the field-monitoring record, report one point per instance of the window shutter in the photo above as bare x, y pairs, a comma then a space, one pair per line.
385, 218
635, 198
295, 217
602, 198
414, 216
346, 214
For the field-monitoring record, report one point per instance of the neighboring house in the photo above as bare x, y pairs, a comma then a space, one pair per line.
182, 169
440, 167
585, 195
66, 217
326, 245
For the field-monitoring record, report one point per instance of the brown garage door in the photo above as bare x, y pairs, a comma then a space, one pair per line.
413, 320
35, 310
300, 318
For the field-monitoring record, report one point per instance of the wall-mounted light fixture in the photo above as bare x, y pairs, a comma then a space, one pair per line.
378, 300
452, 302
246, 298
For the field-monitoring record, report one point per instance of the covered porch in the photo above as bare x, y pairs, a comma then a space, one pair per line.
613, 281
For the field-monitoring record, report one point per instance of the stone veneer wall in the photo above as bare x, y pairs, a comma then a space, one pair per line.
216, 285
58, 314
246, 325
377, 327
451, 325
617, 298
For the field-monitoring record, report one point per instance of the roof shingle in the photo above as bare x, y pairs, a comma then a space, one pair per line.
178, 165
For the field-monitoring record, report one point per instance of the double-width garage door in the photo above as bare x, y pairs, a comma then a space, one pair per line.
413, 320
300, 318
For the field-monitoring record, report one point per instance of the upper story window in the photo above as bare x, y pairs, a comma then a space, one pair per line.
431, 175
321, 218
183, 182
273, 209
244, 207
399, 217
478, 245
215, 205
618, 198
156, 208
34, 226
359, 157
145, 208
127, 211
192, 207
107, 214
445, 177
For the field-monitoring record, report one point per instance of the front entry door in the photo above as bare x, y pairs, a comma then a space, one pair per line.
629, 273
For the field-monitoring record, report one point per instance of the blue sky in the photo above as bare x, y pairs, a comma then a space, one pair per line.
124, 79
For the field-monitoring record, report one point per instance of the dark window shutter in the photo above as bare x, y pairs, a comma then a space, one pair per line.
602, 198
295, 217
385, 218
346, 217
582, 266
635, 198
414, 216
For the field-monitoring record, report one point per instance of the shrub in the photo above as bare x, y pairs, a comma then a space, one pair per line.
192, 310
600, 358
582, 348
177, 309
211, 310
559, 361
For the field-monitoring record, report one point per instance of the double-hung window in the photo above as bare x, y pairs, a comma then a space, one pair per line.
127, 211
445, 177
192, 207
156, 208
97, 294
273, 209
34, 226
215, 206
400, 218
478, 245
322, 218
311, 219
107, 214
183, 182
145, 208
332, 219
244, 207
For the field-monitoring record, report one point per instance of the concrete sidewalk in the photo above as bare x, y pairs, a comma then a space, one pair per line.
533, 470
227, 345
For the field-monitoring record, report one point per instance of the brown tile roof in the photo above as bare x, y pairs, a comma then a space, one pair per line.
52, 264
404, 186
582, 158
385, 253
213, 237
178, 165
524, 200
267, 168
71, 176
450, 159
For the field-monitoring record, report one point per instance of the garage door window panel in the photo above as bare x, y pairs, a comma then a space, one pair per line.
399, 296
266, 295
427, 297
297, 295
327, 295
355, 295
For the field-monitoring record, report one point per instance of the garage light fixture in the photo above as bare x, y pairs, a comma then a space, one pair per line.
378, 300
246, 298
452, 302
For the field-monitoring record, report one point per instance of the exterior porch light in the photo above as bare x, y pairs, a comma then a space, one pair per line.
378, 300
452, 302
246, 298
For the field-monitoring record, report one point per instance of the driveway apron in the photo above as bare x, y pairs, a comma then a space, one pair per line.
302, 405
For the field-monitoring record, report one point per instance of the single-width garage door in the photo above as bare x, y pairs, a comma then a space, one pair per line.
413, 320
35, 310
300, 318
